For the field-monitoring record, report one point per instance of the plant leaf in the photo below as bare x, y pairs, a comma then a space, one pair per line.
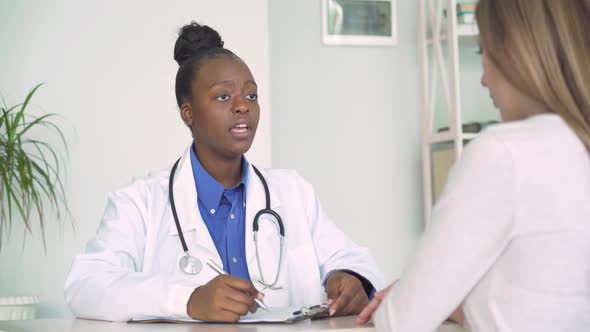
30, 170
21, 112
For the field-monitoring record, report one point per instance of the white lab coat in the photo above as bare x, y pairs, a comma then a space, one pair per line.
130, 268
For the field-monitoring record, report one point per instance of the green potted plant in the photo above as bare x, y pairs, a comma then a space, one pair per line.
30, 183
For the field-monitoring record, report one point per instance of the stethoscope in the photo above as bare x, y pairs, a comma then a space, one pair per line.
192, 265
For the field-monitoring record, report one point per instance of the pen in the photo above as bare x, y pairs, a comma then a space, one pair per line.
219, 270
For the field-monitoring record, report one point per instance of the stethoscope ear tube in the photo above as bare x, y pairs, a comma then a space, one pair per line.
173, 206
189, 264
268, 210
272, 213
265, 185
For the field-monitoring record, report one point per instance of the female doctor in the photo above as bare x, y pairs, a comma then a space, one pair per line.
151, 252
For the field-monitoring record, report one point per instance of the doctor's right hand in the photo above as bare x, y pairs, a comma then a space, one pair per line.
223, 299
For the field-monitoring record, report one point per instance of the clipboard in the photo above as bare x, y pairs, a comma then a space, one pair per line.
318, 311
276, 315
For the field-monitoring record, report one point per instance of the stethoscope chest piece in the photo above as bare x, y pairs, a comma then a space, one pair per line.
190, 265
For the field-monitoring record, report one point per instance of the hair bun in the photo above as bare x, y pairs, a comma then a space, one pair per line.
194, 38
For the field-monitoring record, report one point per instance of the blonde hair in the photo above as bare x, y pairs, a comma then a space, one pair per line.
542, 47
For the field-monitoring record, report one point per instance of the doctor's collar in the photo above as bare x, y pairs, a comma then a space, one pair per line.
209, 191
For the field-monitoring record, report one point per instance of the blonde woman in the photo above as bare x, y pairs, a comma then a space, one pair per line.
509, 243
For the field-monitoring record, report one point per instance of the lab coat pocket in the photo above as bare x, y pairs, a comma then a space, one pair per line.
304, 278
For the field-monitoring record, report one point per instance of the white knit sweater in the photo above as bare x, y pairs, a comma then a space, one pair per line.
510, 237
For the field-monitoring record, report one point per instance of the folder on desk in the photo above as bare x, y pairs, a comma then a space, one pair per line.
276, 315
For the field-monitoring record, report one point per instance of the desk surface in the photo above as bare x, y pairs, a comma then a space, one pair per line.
340, 324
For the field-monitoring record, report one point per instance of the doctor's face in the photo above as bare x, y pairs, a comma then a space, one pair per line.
223, 110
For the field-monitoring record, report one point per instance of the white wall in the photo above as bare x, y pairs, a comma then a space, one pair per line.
348, 119
109, 72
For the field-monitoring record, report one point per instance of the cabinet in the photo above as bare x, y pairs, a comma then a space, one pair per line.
438, 41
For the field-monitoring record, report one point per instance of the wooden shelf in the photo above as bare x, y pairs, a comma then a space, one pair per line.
435, 62
446, 137
469, 136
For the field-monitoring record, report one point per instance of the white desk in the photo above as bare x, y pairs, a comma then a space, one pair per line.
340, 324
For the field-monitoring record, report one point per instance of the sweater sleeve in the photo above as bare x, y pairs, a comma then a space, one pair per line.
471, 226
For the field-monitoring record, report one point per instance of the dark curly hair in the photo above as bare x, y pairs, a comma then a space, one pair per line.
195, 44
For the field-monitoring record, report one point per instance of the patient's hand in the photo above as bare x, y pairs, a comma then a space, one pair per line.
457, 316
370, 309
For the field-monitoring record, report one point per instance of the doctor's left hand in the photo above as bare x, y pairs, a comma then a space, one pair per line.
346, 295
